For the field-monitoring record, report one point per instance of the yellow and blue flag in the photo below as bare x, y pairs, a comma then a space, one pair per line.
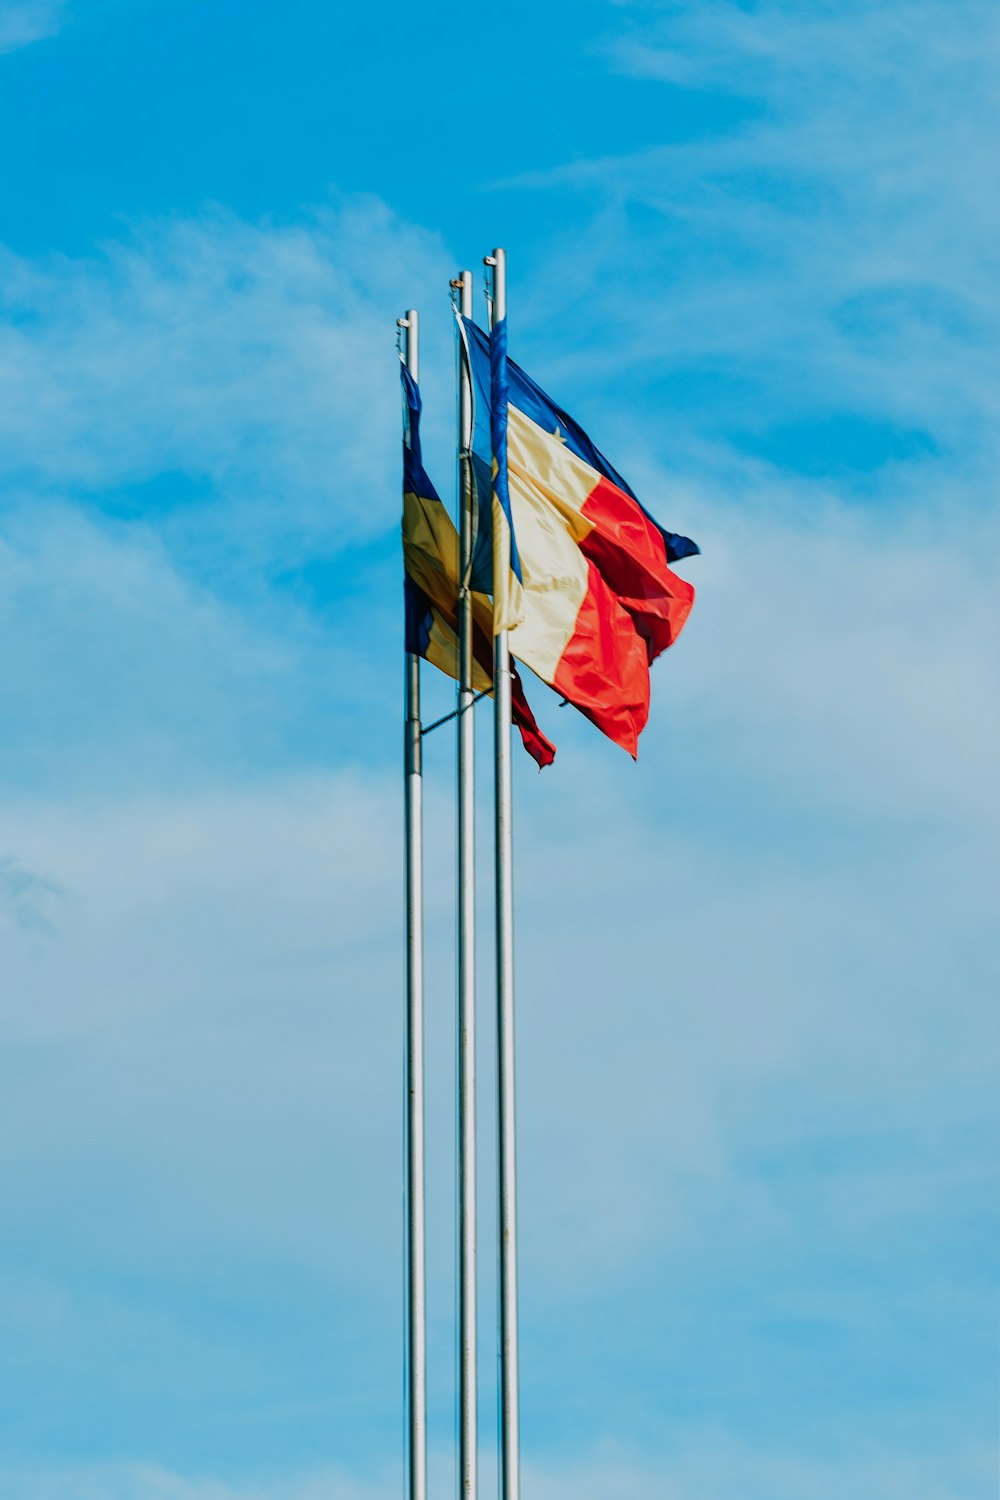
431, 584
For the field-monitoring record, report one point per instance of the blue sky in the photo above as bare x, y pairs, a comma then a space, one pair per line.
753, 247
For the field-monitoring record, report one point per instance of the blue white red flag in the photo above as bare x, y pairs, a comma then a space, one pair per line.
580, 572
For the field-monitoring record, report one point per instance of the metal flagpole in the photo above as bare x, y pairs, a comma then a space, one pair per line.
467, 1376
510, 1477
416, 1313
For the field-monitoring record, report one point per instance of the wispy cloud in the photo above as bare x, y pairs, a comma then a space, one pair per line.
144, 959
754, 990
26, 897
137, 1481
243, 369
766, 1012
137, 662
197, 421
26, 21
834, 254
765, 983
707, 1465
814, 691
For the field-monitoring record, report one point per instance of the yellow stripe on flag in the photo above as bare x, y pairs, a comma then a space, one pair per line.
507, 601
430, 553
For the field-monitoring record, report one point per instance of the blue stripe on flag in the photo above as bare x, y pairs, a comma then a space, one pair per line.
528, 396
415, 480
498, 433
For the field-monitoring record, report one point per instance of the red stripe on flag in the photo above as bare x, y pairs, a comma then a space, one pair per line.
631, 556
603, 670
541, 749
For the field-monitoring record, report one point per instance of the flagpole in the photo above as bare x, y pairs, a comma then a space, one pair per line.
416, 1312
509, 1456
467, 1374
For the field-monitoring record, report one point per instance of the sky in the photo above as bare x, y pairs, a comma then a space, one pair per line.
752, 246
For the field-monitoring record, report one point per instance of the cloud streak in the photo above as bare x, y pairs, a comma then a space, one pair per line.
701, 1470
835, 254
241, 370
756, 970
766, 984
25, 21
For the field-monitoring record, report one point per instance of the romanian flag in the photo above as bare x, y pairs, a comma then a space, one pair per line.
430, 556
579, 570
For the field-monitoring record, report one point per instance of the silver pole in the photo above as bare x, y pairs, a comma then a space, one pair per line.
467, 1376
510, 1443
416, 1311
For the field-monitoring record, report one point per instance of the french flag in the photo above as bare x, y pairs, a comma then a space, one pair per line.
581, 573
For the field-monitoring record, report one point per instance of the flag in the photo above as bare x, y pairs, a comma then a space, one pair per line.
507, 576
580, 571
431, 560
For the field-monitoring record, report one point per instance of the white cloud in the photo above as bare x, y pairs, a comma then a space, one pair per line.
136, 1481
835, 251
118, 669
193, 412
769, 936
26, 21
248, 365
768, 939
200, 1103
709, 1465
860, 664
767, 895
26, 898
836, 675
836, 702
